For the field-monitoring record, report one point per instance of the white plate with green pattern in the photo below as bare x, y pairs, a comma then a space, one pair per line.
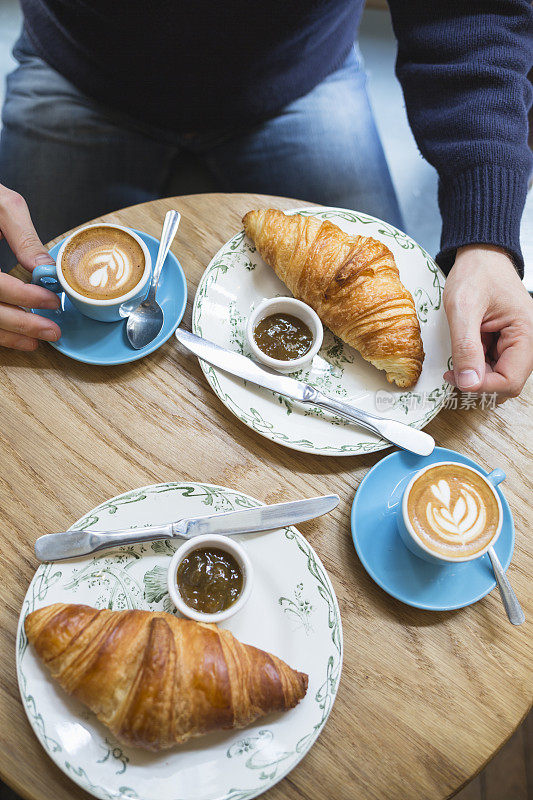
292, 612
237, 280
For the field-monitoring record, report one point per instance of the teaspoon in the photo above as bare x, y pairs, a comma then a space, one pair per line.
145, 321
509, 599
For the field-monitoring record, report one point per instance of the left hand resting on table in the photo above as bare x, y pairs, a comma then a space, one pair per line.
490, 315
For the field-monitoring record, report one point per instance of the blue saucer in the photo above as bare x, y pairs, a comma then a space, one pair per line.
392, 566
105, 343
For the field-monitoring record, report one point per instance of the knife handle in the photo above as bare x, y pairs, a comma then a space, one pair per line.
352, 413
133, 536
71, 544
393, 431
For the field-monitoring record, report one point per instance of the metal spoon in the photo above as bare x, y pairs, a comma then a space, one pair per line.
509, 599
145, 321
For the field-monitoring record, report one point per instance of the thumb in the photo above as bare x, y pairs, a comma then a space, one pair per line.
30, 252
17, 228
467, 348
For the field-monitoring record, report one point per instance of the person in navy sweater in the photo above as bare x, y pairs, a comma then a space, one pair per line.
118, 103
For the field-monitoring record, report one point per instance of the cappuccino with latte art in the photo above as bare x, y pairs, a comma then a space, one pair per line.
103, 263
453, 511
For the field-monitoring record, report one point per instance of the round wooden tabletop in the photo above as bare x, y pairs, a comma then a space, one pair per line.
425, 698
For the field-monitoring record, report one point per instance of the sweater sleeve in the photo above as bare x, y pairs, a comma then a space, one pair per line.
463, 68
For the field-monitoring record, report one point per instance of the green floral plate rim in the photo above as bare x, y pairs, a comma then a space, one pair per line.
237, 279
302, 617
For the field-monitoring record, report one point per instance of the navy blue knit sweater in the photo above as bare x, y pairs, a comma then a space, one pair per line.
198, 64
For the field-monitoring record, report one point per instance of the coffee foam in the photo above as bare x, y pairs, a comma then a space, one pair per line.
103, 263
453, 511
106, 267
461, 522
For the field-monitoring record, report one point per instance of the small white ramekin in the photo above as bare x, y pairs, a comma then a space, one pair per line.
225, 543
285, 305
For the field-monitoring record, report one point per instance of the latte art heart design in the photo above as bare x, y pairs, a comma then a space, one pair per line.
103, 262
462, 523
108, 267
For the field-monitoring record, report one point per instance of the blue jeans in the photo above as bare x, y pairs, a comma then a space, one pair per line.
74, 159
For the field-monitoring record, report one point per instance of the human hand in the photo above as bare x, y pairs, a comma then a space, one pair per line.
490, 315
21, 329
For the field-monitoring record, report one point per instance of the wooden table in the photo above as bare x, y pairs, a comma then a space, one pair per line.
425, 698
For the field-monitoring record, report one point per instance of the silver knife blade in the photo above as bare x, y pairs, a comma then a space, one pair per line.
72, 544
240, 365
404, 436
260, 518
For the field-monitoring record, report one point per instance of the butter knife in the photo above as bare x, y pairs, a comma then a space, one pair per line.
71, 544
397, 433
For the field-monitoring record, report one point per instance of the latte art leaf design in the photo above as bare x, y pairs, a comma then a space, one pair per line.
462, 523
103, 264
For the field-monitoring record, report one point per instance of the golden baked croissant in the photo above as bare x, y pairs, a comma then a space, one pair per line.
351, 282
157, 680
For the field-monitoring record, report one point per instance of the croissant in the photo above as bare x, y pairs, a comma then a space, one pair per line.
156, 680
351, 282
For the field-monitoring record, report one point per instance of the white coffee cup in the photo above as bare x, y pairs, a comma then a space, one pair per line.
51, 277
409, 535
